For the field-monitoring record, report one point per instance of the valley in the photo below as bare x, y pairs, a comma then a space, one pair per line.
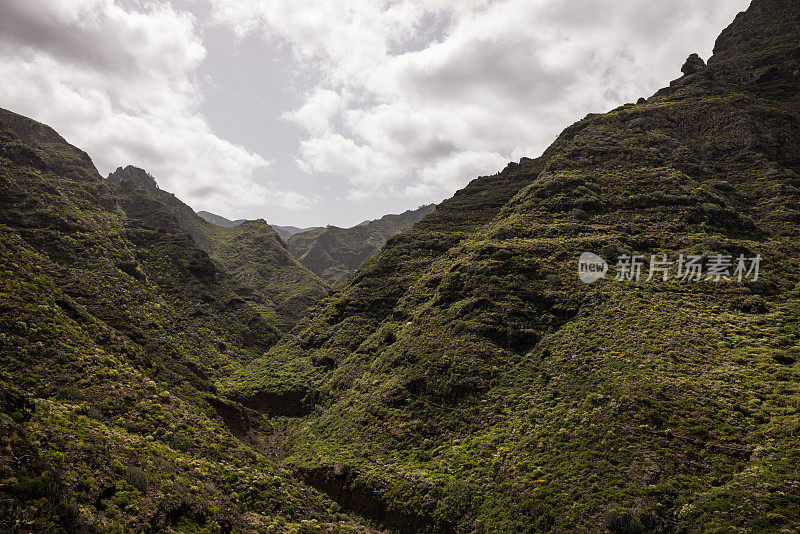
443, 370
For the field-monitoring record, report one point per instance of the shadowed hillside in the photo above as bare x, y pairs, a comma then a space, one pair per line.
333, 253
250, 252
465, 379
114, 330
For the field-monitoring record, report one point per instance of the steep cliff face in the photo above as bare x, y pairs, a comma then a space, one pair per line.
467, 378
114, 328
333, 253
251, 253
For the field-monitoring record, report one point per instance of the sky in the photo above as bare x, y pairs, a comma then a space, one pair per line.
317, 112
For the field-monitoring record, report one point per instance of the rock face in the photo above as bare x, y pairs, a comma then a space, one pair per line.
250, 252
694, 63
333, 253
465, 375
135, 177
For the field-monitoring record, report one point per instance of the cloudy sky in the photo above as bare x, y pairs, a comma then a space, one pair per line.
318, 112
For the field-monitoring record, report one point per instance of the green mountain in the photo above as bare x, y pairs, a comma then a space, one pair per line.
288, 231
466, 380
114, 331
250, 252
219, 220
333, 253
284, 231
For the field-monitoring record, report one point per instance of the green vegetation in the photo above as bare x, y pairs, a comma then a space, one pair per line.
463, 379
333, 253
114, 328
250, 252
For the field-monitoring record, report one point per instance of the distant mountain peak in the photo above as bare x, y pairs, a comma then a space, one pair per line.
219, 220
333, 253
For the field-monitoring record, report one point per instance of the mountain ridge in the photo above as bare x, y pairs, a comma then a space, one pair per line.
333, 253
464, 379
218, 219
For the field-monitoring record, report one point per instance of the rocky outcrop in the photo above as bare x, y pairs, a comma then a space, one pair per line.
135, 177
694, 63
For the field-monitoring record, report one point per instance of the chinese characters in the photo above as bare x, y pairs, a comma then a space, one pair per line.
689, 267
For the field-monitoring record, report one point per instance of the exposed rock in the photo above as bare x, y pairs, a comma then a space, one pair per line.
694, 63
135, 176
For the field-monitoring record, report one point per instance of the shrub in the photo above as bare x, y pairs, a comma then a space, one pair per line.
164, 466
783, 357
31, 488
117, 466
579, 214
623, 522
753, 305
93, 412
136, 478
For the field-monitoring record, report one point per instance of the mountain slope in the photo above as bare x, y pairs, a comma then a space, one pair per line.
114, 328
284, 231
218, 219
288, 231
333, 253
465, 380
251, 253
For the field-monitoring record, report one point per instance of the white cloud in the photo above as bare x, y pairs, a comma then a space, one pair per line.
338, 155
121, 85
449, 173
438, 91
318, 111
403, 100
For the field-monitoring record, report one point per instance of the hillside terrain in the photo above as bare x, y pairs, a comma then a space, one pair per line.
218, 219
466, 380
160, 374
250, 252
114, 331
333, 253
288, 231
284, 231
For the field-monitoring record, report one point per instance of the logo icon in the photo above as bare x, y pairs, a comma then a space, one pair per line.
591, 267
